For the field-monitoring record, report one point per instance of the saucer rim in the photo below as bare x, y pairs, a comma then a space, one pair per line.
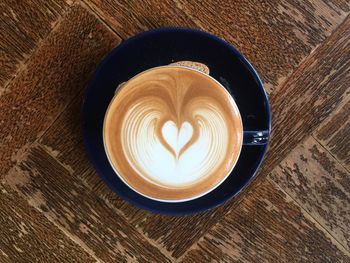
99, 169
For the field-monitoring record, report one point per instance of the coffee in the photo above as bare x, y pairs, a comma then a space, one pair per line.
172, 133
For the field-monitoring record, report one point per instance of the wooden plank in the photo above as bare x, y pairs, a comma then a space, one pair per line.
55, 73
23, 24
64, 141
175, 234
64, 200
64, 138
274, 35
27, 236
313, 91
312, 177
130, 17
266, 227
334, 132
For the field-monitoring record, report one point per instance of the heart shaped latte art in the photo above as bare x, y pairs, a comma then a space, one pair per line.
175, 156
172, 130
177, 138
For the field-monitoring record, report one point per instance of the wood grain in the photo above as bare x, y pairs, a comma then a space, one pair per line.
266, 227
274, 35
64, 139
130, 17
320, 185
176, 234
23, 24
55, 73
27, 236
334, 132
64, 200
308, 97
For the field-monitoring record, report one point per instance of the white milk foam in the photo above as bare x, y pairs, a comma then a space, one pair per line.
151, 159
177, 138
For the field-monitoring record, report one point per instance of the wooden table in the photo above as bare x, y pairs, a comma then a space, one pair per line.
54, 207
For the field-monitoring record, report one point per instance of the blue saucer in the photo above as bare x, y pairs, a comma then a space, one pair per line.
161, 47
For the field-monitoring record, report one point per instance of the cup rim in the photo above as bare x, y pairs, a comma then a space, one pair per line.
183, 199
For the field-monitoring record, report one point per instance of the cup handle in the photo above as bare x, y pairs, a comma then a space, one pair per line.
255, 137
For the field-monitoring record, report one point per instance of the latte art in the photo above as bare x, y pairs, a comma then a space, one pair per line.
170, 153
172, 133
177, 138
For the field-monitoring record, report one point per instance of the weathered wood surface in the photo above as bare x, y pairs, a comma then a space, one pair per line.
64, 200
319, 86
27, 236
55, 73
23, 24
64, 138
130, 17
274, 35
267, 227
51, 52
334, 132
312, 177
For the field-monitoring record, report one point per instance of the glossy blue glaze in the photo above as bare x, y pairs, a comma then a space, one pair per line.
161, 47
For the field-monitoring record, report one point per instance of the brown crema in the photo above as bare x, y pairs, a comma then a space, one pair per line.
172, 133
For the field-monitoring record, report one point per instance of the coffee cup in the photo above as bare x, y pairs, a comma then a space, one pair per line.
174, 133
